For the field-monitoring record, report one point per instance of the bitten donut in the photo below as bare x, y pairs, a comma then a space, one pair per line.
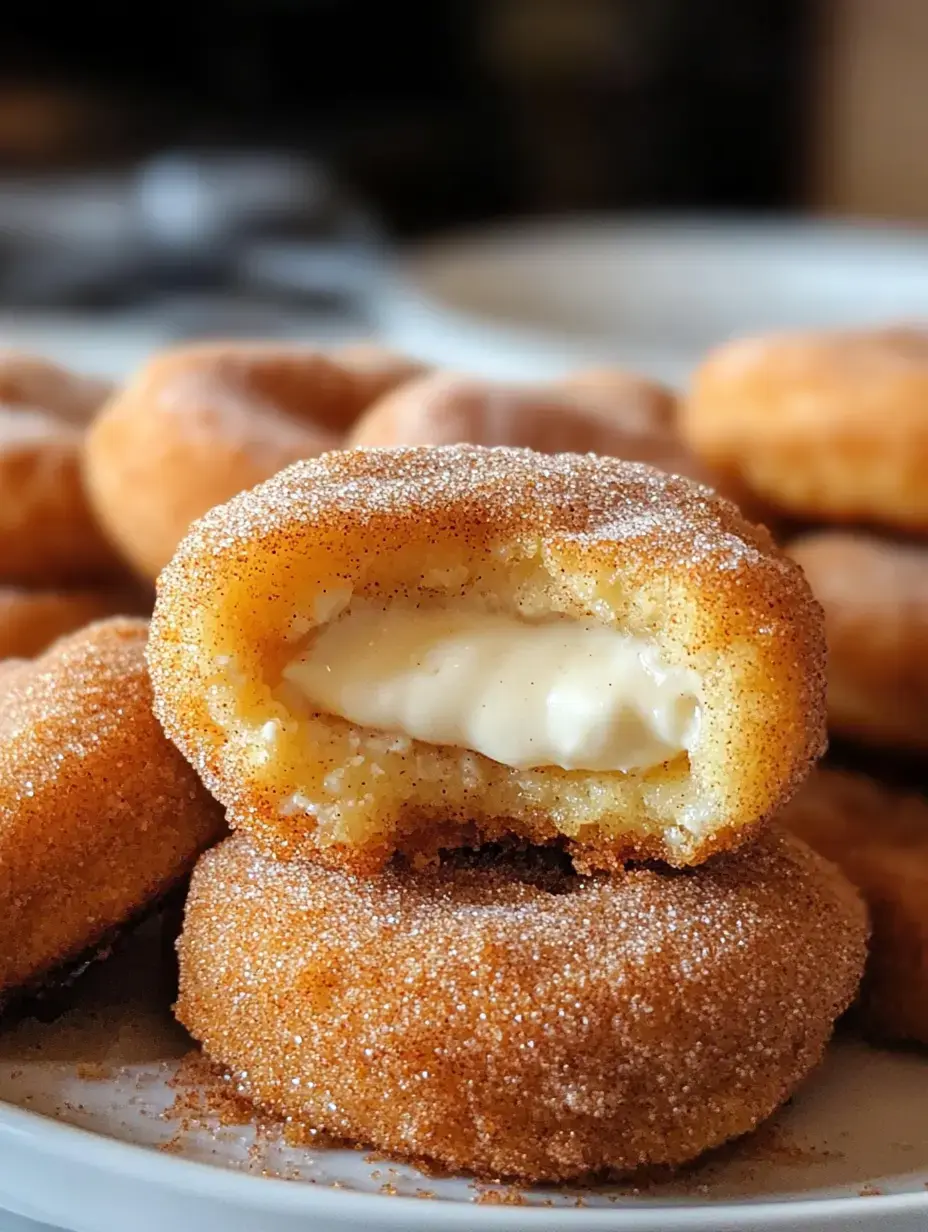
875, 596
200, 423
630, 417
411, 648
30, 620
99, 815
505, 1016
879, 837
830, 426
48, 534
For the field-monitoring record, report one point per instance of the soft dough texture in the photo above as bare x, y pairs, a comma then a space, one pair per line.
99, 815
613, 543
830, 426
48, 533
505, 1016
875, 597
879, 837
200, 423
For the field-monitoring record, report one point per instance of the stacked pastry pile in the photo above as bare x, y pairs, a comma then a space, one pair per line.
831, 430
499, 736
57, 570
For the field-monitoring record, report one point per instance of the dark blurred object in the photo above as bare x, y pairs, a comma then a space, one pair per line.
441, 113
193, 237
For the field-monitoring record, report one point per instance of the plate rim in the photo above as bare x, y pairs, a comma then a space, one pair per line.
52, 1138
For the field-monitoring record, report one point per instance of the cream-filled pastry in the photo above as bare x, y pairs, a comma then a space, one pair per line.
410, 649
556, 692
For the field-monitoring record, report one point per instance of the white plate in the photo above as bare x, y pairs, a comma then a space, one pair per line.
530, 299
82, 1124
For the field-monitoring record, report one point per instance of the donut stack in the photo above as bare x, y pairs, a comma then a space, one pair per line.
499, 736
57, 570
831, 431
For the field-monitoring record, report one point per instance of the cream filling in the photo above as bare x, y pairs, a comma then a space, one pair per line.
555, 693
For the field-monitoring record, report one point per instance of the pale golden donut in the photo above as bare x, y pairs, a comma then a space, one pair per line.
48, 534
30, 620
875, 596
99, 815
200, 423
562, 547
506, 1017
829, 426
376, 368
632, 419
879, 837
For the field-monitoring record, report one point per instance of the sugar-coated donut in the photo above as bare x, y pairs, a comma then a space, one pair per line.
830, 426
30, 620
507, 1017
879, 838
376, 368
410, 648
99, 815
875, 596
48, 534
200, 423
631, 417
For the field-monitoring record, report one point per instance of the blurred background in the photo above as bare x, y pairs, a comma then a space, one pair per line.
285, 166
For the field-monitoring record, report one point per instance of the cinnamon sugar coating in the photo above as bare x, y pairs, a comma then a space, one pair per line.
512, 531
625, 417
507, 1017
826, 426
99, 815
48, 533
199, 423
879, 838
875, 596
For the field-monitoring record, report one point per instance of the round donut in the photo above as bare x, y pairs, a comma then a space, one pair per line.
829, 426
879, 838
376, 369
875, 596
405, 649
630, 418
505, 1016
48, 533
99, 815
200, 423
30, 620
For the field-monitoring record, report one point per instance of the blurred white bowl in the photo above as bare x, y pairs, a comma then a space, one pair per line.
656, 294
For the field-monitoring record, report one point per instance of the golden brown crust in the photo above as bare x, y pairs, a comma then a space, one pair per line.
30, 620
376, 369
587, 537
507, 1018
200, 423
625, 417
879, 838
48, 534
830, 426
99, 815
875, 597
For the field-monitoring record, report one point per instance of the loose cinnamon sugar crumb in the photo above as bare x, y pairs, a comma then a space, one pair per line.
500, 1197
94, 1071
204, 1094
